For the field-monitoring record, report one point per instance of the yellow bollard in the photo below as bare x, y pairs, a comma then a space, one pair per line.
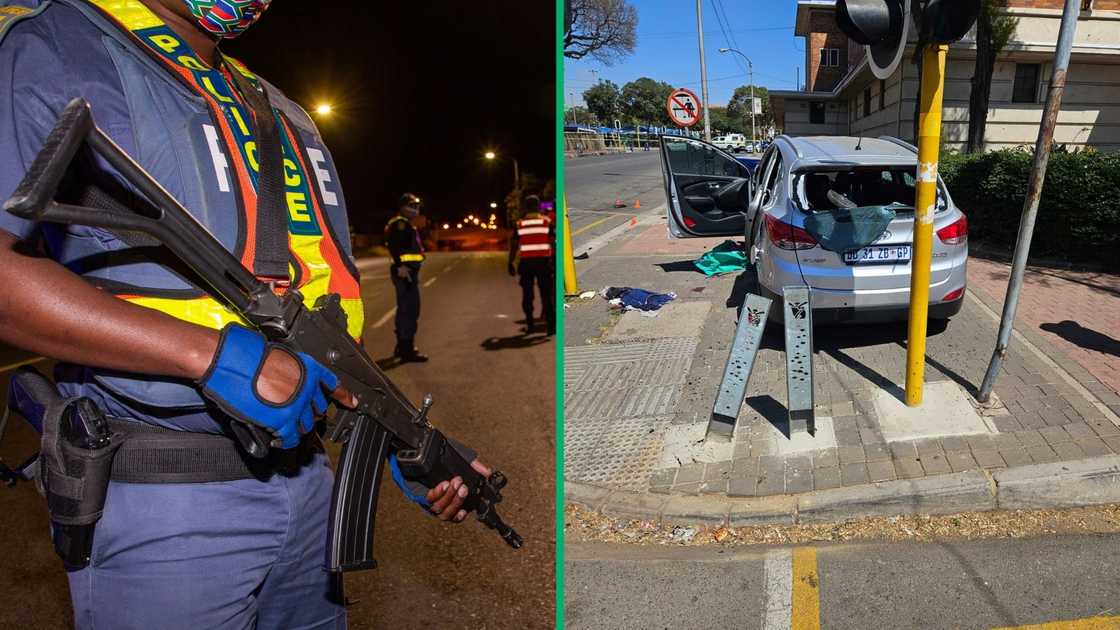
929, 144
570, 286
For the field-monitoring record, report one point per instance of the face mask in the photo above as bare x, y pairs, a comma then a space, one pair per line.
226, 18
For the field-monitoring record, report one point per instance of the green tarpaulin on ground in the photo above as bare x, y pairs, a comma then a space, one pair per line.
727, 257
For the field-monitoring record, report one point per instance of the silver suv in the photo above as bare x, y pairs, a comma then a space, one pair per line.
711, 193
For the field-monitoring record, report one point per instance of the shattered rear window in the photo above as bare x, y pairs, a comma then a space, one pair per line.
862, 187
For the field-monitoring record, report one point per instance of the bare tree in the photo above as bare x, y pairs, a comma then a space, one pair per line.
604, 29
993, 32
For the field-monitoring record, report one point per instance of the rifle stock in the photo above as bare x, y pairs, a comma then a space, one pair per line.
384, 421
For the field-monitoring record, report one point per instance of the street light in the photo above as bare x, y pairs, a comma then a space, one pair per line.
493, 205
490, 155
324, 109
750, 69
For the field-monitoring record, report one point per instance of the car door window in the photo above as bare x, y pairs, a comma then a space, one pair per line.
694, 158
773, 179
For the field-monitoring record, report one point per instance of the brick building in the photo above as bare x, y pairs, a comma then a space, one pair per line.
842, 97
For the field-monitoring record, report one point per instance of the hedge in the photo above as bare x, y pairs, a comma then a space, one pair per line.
1078, 215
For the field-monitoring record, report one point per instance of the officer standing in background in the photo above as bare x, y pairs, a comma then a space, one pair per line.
531, 257
190, 547
403, 240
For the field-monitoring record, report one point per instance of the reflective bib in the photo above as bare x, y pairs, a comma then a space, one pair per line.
533, 236
317, 266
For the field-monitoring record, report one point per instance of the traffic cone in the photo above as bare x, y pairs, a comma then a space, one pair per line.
618, 203
637, 204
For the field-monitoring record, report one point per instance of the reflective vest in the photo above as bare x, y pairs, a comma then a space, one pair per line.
533, 236
316, 265
412, 250
186, 124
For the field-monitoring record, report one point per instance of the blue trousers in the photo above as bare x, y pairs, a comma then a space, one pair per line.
241, 554
408, 303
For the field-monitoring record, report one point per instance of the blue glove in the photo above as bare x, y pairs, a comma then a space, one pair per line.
231, 384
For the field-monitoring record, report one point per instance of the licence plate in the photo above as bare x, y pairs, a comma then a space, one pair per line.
879, 254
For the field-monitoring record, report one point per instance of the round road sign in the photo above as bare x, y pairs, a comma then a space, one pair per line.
683, 107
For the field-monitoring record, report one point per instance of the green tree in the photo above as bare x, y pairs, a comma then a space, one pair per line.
723, 123
739, 108
604, 29
578, 115
993, 32
643, 100
604, 100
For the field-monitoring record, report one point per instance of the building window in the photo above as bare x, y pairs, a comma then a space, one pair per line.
1026, 82
882, 94
867, 101
816, 113
830, 57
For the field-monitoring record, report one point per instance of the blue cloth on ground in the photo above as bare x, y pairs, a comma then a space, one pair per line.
640, 299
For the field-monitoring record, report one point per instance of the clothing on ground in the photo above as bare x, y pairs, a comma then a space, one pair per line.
630, 298
727, 257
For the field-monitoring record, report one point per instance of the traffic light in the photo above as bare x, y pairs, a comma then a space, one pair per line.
945, 21
883, 26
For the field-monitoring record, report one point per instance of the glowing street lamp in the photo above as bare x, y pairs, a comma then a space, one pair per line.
324, 109
490, 155
493, 205
447, 226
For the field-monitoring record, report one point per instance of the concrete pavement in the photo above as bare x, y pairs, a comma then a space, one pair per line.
971, 584
469, 326
638, 394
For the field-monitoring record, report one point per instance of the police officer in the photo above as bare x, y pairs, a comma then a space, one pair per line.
149, 347
403, 240
531, 258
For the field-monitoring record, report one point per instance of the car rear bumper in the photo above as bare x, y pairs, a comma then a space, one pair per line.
863, 314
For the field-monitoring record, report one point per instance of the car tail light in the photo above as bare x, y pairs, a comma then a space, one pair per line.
786, 236
954, 233
954, 295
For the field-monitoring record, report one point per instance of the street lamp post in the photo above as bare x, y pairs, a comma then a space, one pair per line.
750, 71
490, 155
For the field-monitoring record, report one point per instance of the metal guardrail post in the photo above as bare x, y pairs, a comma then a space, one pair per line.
740, 363
799, 359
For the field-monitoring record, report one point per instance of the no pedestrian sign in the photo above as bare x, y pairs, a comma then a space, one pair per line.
684, 107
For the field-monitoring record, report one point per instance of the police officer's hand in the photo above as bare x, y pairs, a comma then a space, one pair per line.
403, 272
267, 385
446, 499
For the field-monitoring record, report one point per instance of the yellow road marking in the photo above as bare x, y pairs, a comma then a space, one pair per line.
806, 598
1088, 623
591, 225
8, 368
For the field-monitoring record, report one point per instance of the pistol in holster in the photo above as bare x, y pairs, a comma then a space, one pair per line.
74, 464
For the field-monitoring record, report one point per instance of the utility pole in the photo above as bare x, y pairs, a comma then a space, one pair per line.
750, 73
1034, 192
703, 70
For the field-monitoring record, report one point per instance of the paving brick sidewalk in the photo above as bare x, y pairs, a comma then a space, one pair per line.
634, 393
1076, 312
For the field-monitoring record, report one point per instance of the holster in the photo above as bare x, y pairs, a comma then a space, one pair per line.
75, 461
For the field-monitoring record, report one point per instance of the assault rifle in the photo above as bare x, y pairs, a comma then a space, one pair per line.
384, 420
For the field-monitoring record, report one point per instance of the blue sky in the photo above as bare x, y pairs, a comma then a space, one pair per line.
667, 48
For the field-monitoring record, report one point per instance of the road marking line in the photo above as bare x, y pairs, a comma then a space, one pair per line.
385, 318
430, 281
8, 368
591, 225
1088, 623
806, 600
778, 590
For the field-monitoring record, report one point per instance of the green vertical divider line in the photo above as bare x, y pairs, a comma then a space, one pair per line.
559, 302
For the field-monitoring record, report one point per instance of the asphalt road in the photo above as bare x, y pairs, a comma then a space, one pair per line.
494, 389
593, 184
982, 584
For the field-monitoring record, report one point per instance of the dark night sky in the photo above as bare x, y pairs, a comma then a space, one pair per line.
421, 89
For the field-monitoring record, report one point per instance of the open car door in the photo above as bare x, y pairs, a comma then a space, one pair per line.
708, 191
